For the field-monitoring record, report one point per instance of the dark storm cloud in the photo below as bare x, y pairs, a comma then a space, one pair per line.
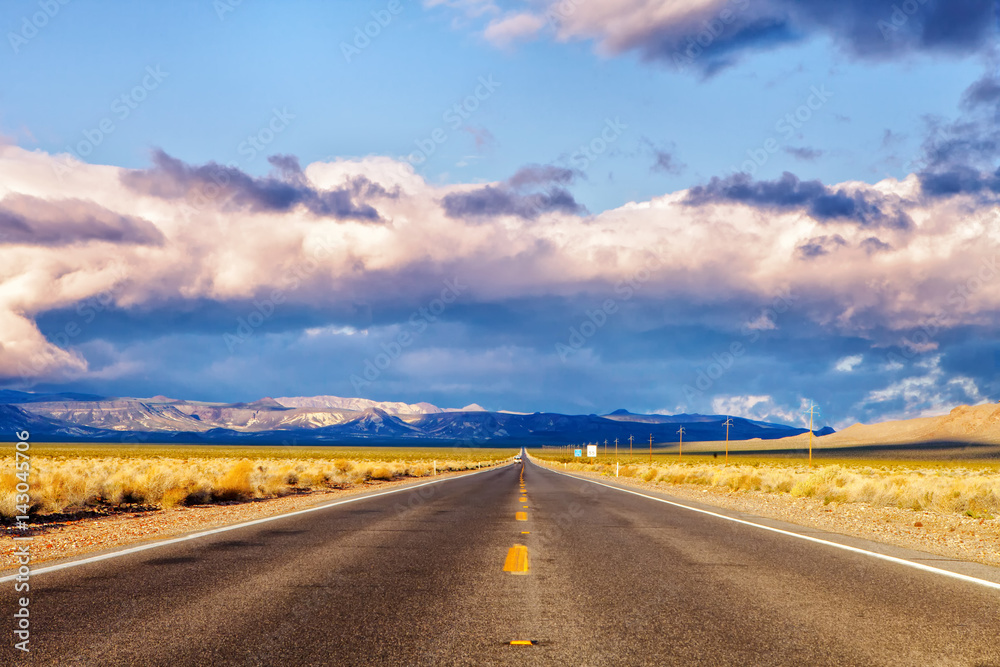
959, 180
29, 220
514, 196
985, 91
788, 192
171, 178
960, 156
820, 245
492, 201
715, 37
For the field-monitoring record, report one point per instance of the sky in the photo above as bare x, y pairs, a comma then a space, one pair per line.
734, 207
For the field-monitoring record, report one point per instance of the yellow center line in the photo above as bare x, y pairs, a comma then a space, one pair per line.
522, 642
517, 560
521, 516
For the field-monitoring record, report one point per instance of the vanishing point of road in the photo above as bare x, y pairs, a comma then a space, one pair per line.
572, 571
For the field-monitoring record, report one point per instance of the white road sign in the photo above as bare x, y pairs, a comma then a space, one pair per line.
591, 450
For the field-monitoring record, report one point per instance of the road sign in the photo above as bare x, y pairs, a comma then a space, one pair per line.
591, 450
577, 452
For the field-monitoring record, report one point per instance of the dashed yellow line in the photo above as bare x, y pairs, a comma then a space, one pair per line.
517, 560
521, 516
522, 642
524, 499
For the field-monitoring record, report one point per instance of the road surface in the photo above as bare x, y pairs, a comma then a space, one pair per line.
417, 578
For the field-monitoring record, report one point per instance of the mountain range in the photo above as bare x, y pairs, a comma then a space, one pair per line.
334, 420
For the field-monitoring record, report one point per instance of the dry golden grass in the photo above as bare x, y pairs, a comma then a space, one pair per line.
972, 490
68, 482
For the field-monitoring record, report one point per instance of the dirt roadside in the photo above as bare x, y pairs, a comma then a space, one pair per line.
948, 535
68, 536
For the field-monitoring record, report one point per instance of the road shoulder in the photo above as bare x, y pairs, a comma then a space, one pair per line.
884, 531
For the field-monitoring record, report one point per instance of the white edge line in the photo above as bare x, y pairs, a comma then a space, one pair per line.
891, 559
235, 526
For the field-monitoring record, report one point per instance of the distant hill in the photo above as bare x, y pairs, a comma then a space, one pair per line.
336, 420
358, 404
978, 424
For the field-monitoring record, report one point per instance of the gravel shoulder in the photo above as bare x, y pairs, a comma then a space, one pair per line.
947, 535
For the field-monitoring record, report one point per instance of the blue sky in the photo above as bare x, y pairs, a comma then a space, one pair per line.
203, 81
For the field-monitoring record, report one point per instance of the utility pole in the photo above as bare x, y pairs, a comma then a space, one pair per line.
605, 446
630, 446
680, 446
727, 424
650, 449
812, 411
616, 457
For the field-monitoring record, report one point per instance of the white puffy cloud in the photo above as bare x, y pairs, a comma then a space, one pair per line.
928, 392
513, 27
848, 364
762, 408
372, 230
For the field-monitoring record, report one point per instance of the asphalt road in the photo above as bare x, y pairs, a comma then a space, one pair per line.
417, 578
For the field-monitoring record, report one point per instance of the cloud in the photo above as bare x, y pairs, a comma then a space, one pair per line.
513, 28
759, 407
232, 188
984, 92
867, 208
960, 155
709, 35
689, 271
804, 153
818, 246
29, 220
541, 174
848, 364
958, 180
513, 196
491, 201
873, 244
925, 393
664, 158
